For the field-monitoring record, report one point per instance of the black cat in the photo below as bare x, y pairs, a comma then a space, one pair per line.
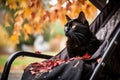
80, 39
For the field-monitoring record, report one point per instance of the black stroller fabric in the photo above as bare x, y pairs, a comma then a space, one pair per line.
64, 72
82, 69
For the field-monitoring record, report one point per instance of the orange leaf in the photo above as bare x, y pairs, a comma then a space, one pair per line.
27, 13
12, 4
19, 12
14, 39
37, 27
18, 21
23, 3
28, 29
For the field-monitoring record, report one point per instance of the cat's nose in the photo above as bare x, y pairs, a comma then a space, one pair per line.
68, 33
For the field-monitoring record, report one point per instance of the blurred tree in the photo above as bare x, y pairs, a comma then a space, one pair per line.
31, 16
5, 44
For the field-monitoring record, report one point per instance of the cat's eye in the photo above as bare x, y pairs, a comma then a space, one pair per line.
73, 26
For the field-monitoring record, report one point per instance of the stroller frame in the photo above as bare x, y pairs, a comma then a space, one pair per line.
111, 47
16, 55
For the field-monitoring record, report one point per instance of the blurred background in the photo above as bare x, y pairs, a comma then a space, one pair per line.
36, 25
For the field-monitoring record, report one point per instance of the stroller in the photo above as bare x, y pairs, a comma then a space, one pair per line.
106, 27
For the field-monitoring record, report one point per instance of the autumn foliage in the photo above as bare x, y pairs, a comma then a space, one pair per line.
30, 16
48, 65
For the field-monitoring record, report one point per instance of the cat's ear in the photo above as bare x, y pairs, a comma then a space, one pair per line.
68, 18
81, 17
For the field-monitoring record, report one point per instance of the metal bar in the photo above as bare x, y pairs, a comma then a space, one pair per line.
14, 56
106, 54
99, 3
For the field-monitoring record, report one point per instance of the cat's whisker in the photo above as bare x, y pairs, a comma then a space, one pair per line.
76, 39
80, 36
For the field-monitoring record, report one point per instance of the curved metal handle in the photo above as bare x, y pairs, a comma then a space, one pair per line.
14, 56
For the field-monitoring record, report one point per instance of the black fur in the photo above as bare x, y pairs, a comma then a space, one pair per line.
80, 38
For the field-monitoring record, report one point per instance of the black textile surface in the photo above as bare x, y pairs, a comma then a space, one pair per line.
73, 70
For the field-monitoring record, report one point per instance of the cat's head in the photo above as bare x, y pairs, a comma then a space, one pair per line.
77, 30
